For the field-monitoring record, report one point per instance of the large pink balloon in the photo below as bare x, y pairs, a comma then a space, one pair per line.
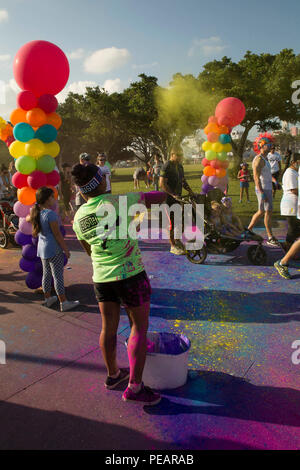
25, 227
230, 112
21, 210
41, 67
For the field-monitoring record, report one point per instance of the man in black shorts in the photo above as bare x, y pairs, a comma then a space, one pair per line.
171, 182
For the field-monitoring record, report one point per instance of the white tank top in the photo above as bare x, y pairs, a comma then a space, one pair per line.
266, 175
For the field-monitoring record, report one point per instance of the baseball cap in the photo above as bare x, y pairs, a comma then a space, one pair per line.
84, 156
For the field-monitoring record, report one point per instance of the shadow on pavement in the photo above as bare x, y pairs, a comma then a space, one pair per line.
233, 397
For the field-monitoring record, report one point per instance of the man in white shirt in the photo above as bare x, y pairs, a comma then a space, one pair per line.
274, 159
101, 163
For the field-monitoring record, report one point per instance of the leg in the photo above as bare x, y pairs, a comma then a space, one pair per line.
137, 344
110, 315
241, 193
255, 219
268, 223
47, 278
247, 193
291, 253
57, 269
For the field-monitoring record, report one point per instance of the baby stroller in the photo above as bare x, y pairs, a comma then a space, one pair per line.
9, 223
216, 242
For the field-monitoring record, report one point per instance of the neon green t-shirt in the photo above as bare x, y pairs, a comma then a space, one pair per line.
103, 222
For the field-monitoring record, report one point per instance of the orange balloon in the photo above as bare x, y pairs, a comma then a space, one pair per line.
26, 196
17, 115
211, 127
54, 119
224, 130
209, 171
54, 190
220, 173
36, 117
6, 132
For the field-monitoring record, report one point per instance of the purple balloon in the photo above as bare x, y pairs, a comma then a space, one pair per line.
34, 240
63, 231
25, 227
22, 239
27, 265
29, 252
21, 210
33, 280
206, 188
38, 267
204, 179
213, 180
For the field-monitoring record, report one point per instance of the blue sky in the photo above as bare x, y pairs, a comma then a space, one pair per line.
109, 42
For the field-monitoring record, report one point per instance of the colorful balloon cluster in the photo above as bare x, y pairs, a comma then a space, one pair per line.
6, 132
229, 113
41, 70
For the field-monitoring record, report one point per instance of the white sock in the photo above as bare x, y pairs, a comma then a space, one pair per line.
116, 375
135, 387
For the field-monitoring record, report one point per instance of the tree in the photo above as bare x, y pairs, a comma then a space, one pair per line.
263, 82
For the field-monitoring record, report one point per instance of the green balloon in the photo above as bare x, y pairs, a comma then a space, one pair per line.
210, 155
222, 156
25, 164
46, 164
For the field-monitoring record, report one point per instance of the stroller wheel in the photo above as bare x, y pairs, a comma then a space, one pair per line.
257, 255
4, 239
197, 256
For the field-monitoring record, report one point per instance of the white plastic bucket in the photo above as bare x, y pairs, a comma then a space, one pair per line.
164, 369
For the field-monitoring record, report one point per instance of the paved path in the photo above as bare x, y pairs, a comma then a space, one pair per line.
243, 389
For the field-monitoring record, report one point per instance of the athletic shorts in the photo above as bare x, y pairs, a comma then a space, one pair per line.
131, 292
244, 184
266, 204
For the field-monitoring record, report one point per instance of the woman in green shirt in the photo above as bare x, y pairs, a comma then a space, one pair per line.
118, 273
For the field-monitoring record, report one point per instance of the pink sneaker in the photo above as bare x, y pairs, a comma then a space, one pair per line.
145, 396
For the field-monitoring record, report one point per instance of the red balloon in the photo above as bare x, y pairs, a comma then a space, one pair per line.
53, 178
26, 100
205, 162
41, 67
215, 164
230, 112
19, 180
37, 179
10, 140
48, 103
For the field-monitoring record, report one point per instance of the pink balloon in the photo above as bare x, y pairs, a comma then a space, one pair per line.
53, 178
215, 164
41, 67
25, 227
48, 103
213, 180
205, 162
36, 179
213, 119
204, 179
26, 100
230, 112
21, 210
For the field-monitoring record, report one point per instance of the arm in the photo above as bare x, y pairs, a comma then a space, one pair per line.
85, 246
257, 167
163, 184
186, 186
58, 237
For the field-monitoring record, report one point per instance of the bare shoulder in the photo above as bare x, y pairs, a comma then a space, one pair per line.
257, 162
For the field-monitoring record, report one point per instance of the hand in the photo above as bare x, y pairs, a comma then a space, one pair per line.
67, 253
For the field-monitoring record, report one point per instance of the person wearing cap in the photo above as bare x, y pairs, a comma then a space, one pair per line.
84, 159
244, 177
274, 159
262, 176
105, 170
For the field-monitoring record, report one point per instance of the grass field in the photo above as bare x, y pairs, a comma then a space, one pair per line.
122, 182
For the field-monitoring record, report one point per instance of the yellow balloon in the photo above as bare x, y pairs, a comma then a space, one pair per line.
206, 146
52, 149
217, 147
227, 148
17, 149
35, 148
2, 123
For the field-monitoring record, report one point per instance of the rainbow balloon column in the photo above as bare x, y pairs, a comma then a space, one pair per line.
229, 113
41, 70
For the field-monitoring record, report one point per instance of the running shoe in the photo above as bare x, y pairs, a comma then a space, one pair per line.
50, 301
145, 396
68, 305
273, 242
112, 383
177, 251
283, 270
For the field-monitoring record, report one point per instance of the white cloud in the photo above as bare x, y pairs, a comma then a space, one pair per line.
8, 98
207, 46
4, 57
145, 66
105, 60
3, 16
75, 87
77, 54
113, 86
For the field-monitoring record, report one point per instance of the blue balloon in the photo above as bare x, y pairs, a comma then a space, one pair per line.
225, 139
46, 133
23, 132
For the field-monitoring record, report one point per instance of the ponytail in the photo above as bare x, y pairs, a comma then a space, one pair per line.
42, 194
